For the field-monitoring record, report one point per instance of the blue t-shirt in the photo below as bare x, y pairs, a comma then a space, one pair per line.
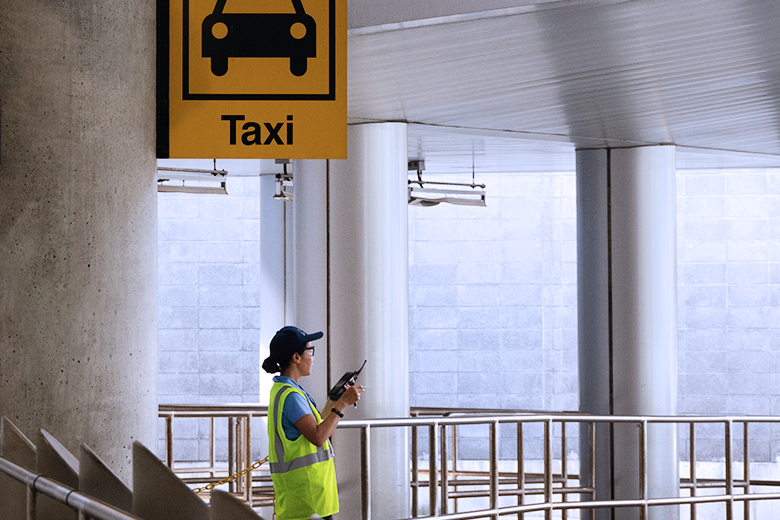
295, 407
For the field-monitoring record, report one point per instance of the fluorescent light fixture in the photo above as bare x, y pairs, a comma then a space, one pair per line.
431, 193
433, 196
190, 180
284, 183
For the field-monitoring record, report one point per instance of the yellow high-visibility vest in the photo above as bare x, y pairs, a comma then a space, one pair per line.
304, 475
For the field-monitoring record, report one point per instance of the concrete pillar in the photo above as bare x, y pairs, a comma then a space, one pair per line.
78, 223
627, 301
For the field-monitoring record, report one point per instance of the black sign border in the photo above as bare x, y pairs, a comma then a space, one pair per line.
330, 96
163, 78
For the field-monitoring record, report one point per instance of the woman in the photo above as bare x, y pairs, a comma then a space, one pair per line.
301, 456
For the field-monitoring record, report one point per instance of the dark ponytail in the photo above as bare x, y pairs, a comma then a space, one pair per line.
271, 366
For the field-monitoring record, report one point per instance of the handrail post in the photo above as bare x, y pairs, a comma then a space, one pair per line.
564, 470
445, 477
592, 461
239, 454
415, 474
692, 458
729, 472
548, 478
231, 452
32, 504
248, 458
454, 451
746, 470
520, 468
643, 480
433, 470
365, 470
494, 467
169, 440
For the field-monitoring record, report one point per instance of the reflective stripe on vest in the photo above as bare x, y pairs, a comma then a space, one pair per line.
321, 455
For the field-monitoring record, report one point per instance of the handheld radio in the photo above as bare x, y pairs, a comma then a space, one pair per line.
349, 378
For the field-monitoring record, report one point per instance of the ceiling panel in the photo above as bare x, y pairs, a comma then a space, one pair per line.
533, 84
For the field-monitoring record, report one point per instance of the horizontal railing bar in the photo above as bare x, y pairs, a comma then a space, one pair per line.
752, 482
513, 419
70, 497
517, 492
560, 506
433, 411
664, 501
506, 474
506, 478
242, 407
503, 482
500, 415
716, 484
207, 414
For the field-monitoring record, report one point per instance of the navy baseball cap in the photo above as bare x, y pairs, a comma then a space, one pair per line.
289, 340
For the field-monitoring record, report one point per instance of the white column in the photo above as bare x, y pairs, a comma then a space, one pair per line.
272, 273
273, 253
369, 303
593, 318
627, 299
310, 265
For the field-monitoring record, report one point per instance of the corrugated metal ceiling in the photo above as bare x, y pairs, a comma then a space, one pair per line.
523, 87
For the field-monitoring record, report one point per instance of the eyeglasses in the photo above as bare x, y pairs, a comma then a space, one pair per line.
308, 348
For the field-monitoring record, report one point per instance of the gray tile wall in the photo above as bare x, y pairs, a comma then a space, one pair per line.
729, 290
209, 260
493, 298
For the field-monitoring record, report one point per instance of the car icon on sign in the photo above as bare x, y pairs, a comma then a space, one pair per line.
261, 35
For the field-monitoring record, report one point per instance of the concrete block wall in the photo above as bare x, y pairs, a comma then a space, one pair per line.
209, 306
493, 297
729, 291
493, 301
492, 305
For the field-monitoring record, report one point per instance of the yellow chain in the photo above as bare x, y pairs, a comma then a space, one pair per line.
225, 480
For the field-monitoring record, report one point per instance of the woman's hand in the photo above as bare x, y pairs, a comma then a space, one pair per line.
350, 396
317, 434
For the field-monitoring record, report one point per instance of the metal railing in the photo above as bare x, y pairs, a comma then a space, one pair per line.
542, 477
84, 505
254, 487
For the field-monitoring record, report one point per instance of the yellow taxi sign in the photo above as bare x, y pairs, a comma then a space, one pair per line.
249, 79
